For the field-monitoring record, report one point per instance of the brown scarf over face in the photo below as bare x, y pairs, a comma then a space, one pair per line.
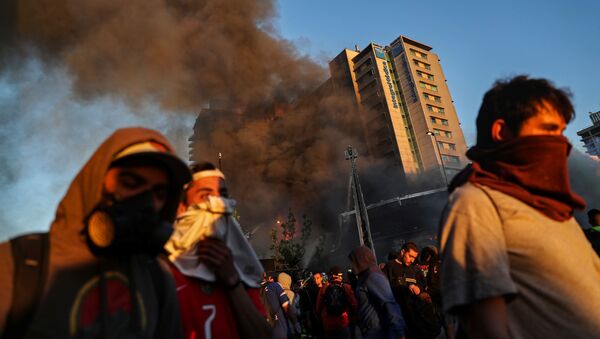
532, 169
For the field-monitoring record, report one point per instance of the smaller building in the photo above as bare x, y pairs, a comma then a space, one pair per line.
591, 136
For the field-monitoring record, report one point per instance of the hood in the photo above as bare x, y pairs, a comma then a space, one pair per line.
364, 259
86, 190
285, 280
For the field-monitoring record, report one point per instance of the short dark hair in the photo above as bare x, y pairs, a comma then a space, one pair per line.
335, 270
409, 245
203, 166
592, 214
516, 100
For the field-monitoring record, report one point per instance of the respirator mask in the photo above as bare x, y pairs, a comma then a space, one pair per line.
126, 227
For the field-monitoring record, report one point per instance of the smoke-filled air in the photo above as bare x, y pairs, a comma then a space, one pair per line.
159, 63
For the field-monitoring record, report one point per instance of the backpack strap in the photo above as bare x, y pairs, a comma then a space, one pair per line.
30, 257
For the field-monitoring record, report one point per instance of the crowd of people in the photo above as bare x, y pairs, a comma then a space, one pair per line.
144, 247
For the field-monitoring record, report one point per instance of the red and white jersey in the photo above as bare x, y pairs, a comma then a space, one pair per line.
205, 310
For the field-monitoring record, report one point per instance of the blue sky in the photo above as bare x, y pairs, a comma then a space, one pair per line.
477, 41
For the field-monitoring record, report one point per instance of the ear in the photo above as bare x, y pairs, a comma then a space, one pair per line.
181, 208
500, 131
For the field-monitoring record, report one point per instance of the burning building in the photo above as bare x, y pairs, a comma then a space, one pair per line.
591, 136
411, 118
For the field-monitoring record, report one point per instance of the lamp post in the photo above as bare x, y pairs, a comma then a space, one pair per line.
437, 147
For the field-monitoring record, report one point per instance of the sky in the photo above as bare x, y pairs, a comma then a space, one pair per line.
477, 42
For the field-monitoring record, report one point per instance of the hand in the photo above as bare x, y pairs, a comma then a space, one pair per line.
414, 289
217, 256
425, 297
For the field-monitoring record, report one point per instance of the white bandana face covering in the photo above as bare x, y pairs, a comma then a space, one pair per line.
212, 218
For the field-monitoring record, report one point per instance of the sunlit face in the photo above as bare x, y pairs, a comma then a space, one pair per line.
409, 256
201, 188
126, 182
318, 279
547, 121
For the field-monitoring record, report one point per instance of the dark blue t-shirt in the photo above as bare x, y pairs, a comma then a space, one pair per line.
276, 298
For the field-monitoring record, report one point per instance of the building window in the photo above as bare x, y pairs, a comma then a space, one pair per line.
418, 54
450, 159
435, 109
439, 132
446, 145
425, 76
432, 97
422, 64
428, 86
435, 120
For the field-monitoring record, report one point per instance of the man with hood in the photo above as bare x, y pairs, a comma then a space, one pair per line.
379, 315
515, 263
217, 273
100, 276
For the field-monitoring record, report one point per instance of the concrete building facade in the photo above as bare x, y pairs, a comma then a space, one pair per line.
591, 136
410, 118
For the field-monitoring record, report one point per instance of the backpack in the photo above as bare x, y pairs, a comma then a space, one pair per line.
30, 254
336, 301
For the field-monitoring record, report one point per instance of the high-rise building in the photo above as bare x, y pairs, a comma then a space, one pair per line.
410, 118
591, 136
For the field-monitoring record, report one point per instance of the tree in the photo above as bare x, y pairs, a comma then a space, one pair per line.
288, 249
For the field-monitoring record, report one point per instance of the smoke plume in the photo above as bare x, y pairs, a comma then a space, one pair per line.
180, 53
281, 134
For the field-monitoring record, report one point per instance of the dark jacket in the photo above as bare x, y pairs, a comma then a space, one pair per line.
379, 315
593, 235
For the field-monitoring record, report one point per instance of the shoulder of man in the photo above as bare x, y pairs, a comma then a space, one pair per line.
468, 195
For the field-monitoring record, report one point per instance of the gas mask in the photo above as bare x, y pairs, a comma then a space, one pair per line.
126, 227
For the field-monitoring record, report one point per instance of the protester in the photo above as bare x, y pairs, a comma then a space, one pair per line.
95, 273
336, 305
216, 271
433, 289
285, 280
308, 306
593, 233
408, 286
280, 312
515, 263
379, 315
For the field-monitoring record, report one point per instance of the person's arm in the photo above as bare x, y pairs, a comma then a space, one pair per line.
250, 323
320, 296
351, 298
169, 321
486, 319
380, 293
475, 267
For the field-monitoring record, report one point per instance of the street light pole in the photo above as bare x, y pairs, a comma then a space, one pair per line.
437, 147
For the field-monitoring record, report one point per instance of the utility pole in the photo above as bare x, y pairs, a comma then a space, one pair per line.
360, 208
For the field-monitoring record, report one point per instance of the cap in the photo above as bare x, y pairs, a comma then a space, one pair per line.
150, 150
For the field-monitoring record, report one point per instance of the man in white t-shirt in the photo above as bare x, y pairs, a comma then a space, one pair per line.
515, 263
